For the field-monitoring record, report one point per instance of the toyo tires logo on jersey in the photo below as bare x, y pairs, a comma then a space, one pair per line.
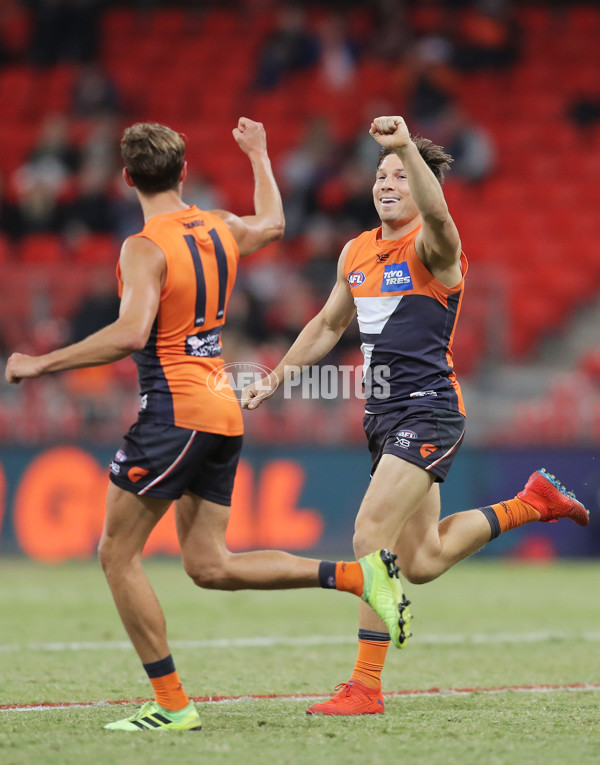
356, 278
230, 380
396, 278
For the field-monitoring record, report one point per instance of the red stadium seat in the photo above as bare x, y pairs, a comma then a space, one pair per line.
41, 248
5, 249
97, 248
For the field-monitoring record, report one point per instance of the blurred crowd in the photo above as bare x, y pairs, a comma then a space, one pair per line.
69, 183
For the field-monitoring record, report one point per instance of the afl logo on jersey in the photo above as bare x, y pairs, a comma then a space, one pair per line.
356, 278
406, 434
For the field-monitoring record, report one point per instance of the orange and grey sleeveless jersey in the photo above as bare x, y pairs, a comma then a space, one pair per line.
407, 320
181, 366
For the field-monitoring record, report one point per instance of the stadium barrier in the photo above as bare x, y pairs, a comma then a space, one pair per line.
292, 498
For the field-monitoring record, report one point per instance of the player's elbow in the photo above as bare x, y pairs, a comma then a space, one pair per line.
129, 334
275, 231
437, 216
132, 341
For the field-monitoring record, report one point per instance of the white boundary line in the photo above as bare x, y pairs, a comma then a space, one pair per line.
314, 640
309, 640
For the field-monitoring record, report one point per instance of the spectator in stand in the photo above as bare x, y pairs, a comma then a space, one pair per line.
290, 47
64, 30
36, 208
303, 169
38, 186
584, 112
338, 53
470, 145
200, 192
94, 94
91, 211
432, 85
14, 31
357, 212
101, 144
291, 309
489, 37
392, 34
53, 148
98, 308
320, 268
6, 209
246, 323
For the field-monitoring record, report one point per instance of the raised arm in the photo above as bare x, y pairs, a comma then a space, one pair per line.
438, 242
317, 338
142, 272
252, 232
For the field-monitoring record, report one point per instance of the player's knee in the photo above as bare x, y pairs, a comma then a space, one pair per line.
360, 546
367, 537
105, 555
209, 574
113, 559
420, 569
416, 575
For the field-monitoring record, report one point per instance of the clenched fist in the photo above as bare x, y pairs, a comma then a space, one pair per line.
250, 136
390, 132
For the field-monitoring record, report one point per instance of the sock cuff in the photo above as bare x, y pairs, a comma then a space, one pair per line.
160, 668
376, 637
327, 574
492, 518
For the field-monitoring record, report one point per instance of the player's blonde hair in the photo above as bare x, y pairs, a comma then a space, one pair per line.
154, 155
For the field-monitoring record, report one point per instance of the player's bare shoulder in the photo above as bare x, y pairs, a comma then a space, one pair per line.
141, 254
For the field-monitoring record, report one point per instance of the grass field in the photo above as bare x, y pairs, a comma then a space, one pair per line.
483, 626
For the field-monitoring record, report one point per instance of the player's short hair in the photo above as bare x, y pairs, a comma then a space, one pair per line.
436, 159
154, 155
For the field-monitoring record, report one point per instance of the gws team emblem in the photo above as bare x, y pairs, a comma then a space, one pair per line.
356, 278
135, 473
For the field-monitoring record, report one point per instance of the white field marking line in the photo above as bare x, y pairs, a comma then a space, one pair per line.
311, 697
311, 640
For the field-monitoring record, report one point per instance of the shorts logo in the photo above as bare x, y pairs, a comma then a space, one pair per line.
404, 437
427, 450
356, 278
135, 473
396, 278
120, 456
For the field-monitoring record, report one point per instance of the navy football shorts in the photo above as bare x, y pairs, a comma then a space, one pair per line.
161, 460
429, 438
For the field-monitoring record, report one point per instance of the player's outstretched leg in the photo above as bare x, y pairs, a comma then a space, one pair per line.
543, 498
382, 590
550, 498
151, 716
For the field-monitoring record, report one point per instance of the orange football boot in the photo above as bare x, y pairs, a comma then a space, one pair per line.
552, 500
354, 698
